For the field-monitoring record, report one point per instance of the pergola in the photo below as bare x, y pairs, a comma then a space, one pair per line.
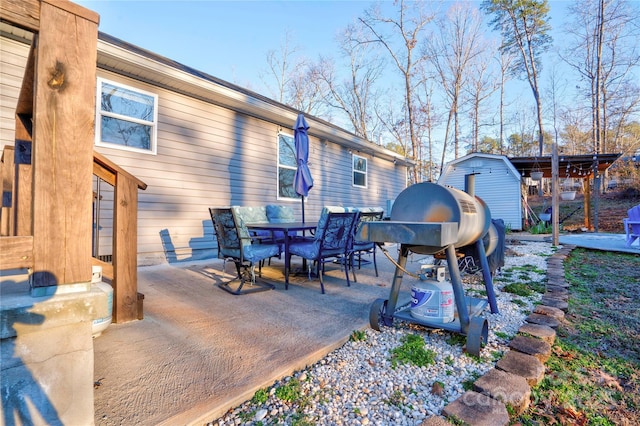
569, 166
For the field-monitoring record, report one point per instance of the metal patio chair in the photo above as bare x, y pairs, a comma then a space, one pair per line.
235, 244
333, 240
366, 247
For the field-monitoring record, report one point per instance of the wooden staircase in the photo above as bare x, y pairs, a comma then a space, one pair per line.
47, 195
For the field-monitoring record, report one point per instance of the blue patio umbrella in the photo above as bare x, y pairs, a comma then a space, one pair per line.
302, 182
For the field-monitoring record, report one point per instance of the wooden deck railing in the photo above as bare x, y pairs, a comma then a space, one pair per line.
123, 269
17, 250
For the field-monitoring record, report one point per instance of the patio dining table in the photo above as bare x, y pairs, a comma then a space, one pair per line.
287, 228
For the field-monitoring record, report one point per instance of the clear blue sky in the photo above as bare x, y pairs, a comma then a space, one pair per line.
227, 39
230, 39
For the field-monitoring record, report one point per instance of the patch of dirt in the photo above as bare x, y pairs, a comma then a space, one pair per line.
612, 209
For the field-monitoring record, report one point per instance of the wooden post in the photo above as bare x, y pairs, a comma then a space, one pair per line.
63, 135
125, 243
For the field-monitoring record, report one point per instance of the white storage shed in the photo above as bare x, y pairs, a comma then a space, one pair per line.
497, 183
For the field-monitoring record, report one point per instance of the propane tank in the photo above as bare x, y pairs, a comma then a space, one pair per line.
432, 299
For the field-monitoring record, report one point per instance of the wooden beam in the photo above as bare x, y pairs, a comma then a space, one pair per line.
75, 9
24, 108
16, 252
107, 268
23, 13
104, 173
64, 115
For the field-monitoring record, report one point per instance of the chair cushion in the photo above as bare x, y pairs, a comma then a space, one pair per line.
251, 214
257, 252
324, 215
361, 246
279, 214
305, 249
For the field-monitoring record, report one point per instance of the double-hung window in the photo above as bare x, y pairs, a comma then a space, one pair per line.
286, 167
359, 171
126, 117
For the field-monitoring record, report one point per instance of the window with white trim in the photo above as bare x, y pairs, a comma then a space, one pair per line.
359, 171
286, 167
126, 117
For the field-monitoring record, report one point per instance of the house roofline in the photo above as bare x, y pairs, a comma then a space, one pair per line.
171, 75
126, 59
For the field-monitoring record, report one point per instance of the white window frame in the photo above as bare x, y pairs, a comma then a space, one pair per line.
283, 166
355, 157
100, 113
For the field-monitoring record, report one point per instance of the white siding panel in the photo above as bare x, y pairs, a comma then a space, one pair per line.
207, 156
13, 59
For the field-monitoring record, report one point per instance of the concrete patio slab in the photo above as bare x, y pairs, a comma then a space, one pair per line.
200, 351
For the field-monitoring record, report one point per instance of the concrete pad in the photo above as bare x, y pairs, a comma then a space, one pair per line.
555, 302
543, 332
200, 351
476, 409
532, 346
549, 311
435, 421
542, 319
511, 389
526, 366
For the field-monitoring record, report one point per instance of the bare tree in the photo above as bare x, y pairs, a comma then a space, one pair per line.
482, 85
575, 137
296, 82
398, 36
604, 52
452, 51
354, 95
506, 60
282, 64
525, 29
430, 119
306, 91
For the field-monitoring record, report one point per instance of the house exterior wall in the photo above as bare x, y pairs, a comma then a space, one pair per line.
207, 156
495, 184
13, 59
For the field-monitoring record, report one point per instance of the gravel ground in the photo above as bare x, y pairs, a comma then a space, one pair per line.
357, 384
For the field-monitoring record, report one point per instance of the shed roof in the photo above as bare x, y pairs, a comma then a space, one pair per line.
468, 163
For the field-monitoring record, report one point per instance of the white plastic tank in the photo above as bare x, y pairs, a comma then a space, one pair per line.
432, 299
99, 325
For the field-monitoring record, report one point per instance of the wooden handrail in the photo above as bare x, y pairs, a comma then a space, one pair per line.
107, 171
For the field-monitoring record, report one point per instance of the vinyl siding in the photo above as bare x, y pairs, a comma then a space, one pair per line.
495, 184
208, 156
12, 63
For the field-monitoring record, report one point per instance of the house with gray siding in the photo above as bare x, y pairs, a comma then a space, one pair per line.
497, 183
199, 142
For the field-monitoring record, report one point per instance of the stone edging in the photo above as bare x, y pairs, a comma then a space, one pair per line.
509, 383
